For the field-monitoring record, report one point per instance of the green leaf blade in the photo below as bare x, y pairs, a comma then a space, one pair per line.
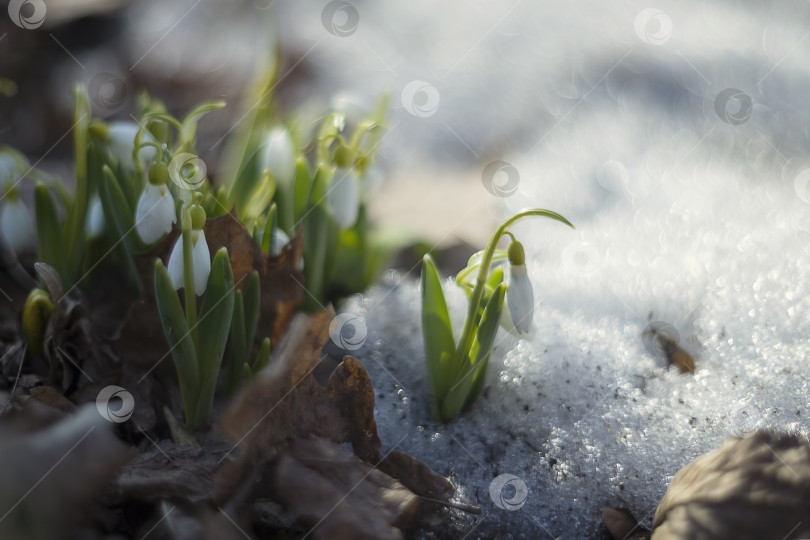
437, 331
178, 337
214, 324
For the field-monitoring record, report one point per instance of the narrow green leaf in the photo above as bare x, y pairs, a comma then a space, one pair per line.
188, 133
262, 357
252, 303
316, 235
240, 346
49, 231
470, 377
117, 210
316, 227
214, 325
256, 108
259, 198
437, 331
74, 222
237, 351
179, 339
269, 228
303, 184
117, 213
488, 327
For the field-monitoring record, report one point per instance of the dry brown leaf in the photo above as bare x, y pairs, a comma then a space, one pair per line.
50, 396
622, 525
170, 471
757, 487
339, 495
417, 476
285, 404
286, 401
279, 278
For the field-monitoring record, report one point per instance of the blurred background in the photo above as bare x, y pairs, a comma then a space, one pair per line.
565, 88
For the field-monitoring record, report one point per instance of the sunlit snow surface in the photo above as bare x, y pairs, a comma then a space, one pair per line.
686, 213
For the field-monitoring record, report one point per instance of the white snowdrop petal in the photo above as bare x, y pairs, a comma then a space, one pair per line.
201, 259
155, 213
94, 222
344, 197
176, 264
280, 239
122, 144
279, 155
15, 225
520, 298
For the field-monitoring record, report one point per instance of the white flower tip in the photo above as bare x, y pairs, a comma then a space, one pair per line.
520, 298
344, 197
279, 155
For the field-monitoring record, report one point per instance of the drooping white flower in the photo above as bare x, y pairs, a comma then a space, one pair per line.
121, 140
94, 220
344, 197
278, 155
15, 224
155, 212
200, 255
519, 293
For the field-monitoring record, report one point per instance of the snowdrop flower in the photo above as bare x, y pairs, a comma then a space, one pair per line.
280, 239
344, 197
121, 140
279, 155
155, 212
200, 255
15, 222
94, 221
519, 294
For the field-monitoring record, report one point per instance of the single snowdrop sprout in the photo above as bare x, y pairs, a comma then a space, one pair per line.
37, 311
190, 255
456, 370
155, 212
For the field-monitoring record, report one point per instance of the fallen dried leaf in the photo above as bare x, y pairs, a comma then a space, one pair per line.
285, 405
622, 525
339, 495
170, 471
50, 396
757, 487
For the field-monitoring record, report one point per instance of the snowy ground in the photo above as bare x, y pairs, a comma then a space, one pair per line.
691, 207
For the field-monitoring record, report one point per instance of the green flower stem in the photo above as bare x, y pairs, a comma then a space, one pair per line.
464, 344
188, 278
